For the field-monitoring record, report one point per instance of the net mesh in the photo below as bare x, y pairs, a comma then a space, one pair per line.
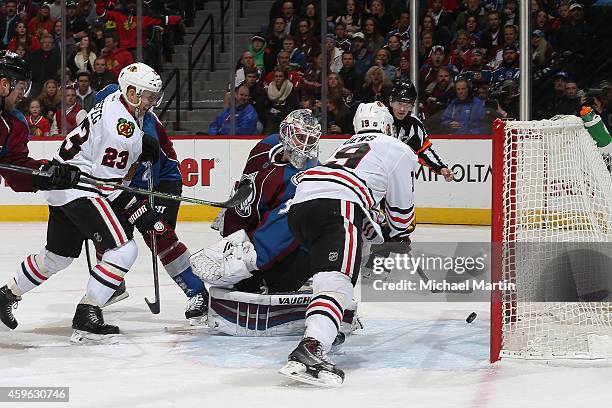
557, 200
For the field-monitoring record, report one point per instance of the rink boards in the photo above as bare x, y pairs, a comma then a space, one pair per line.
210, 165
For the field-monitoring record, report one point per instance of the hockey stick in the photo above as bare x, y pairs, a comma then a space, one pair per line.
243, 191
153, 306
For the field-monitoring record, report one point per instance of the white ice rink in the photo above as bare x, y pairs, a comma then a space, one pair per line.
408, 355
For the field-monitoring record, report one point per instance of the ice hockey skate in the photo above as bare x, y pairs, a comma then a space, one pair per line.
196, 311
89, 326
7, 302
308, 364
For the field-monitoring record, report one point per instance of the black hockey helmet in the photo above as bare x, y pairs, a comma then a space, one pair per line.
13, 67
403, 91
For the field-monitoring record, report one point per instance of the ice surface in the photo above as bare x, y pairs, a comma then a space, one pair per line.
408, 355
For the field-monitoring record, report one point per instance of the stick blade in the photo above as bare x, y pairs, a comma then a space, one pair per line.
153, 306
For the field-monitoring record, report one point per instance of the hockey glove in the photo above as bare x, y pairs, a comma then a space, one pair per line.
63, 176
403, 236
150, 149
146, 219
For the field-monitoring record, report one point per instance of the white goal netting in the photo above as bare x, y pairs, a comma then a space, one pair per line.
557, 234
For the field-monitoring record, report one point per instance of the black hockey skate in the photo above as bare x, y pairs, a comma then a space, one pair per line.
120, 294
308, 364
7, 301
196, 310
88, 324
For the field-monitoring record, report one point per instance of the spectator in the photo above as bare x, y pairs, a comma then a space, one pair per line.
41, 23
76, 26
471, 27
334, 54
510, 39
350, 76
74, 114
257, 93
429, 70
426, 44
542, 50
461, 51
262, 55
377, 86
306, 42
438, 94
403, 70
313, 79
508, 101
38, 124
465, 113
547, 104
20, 50
473, 9
87, 9
402, 32
23, 38
542, 23
342, 41
351, 18
363, 57
441, 34
336, 89
44, 62
288, 13
491, 37
569, 103
296, 58
84, 92
295, 76
311, 14
116, 58
83, 58
276, 35
442, 17
49, 99
574, 34
509, 68
100, 78
8, 22
246, 61
69, 81
384, 19
97, 36
509, 12
57, 37
245, 117
395, 50
382, 60
477, 72
373, 39
339, 121
282, 99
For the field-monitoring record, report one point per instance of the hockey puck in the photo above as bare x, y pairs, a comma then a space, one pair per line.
471, 317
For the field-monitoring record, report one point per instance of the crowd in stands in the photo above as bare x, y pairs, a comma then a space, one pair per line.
100, 39
468, 62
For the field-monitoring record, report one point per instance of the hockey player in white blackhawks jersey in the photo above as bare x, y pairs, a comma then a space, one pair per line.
106, 145
336, 207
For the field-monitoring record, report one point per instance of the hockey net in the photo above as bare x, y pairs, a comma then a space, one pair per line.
552, 213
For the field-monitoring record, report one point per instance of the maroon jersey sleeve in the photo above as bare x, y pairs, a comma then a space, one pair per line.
247, 216
15, 151
165, 144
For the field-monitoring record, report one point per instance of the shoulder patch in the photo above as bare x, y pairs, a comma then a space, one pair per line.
125, 127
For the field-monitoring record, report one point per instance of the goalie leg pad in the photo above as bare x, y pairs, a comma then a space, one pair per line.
36, 269
226, 262
250, 314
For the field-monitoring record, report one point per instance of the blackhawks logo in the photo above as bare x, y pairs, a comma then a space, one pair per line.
125, 128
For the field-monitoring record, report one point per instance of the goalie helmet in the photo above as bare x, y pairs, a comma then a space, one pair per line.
300, 132
143, 78
14, 68
373, 117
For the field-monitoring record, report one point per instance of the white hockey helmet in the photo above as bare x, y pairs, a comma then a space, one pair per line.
299, 133
374, 117
143, 78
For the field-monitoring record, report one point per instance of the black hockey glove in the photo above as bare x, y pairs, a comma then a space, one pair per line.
150, 149
146, 219
63, 176
403, 236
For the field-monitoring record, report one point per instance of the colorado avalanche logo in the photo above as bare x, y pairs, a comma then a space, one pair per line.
244, 208
125, 128
297, 177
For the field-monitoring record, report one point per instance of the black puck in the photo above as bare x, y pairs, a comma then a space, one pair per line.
471, 317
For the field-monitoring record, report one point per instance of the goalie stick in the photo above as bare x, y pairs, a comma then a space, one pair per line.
243, 191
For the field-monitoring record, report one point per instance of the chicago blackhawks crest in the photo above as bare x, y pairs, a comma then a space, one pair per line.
125, 127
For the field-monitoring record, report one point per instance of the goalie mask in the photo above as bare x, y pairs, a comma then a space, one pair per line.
299, 134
